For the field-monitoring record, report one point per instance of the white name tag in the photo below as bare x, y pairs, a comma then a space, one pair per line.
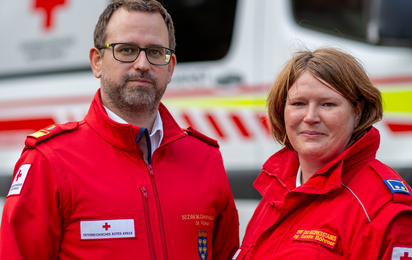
107, 229
19, 179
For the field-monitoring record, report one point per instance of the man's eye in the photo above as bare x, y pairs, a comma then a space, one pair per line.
156, 52
126, 50
329, 104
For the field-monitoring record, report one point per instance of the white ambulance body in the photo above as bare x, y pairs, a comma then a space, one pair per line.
228, 52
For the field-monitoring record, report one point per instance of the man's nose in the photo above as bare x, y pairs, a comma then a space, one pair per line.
141, 63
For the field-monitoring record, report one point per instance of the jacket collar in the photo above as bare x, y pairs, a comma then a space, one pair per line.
280, 170
123, 136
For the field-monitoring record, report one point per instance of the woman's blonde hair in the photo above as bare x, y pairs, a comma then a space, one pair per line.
341, 71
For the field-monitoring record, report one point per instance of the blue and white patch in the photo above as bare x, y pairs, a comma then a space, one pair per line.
396, 186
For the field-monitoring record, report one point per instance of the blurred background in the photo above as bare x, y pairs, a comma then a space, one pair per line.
228, 52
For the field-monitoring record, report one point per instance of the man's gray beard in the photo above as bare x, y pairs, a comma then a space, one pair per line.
133, 100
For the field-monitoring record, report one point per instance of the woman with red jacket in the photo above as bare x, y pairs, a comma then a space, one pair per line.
325, 195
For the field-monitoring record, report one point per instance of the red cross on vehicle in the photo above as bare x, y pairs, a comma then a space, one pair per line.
48, 7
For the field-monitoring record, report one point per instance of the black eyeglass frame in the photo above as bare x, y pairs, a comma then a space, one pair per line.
140, 50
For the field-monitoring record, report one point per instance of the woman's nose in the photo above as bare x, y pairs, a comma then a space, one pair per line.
312, 114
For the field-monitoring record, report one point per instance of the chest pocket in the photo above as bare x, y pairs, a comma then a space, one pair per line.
242, 252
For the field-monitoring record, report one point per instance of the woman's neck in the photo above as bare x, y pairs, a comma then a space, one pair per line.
309, 167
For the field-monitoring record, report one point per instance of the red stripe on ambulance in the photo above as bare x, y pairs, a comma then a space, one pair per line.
216, 127
188, 119
27, 124
400, 127
240, 125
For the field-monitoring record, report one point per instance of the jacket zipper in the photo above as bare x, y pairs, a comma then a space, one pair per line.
159, 212
148, 224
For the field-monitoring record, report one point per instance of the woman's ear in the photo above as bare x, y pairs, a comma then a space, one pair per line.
96, 60
358, 109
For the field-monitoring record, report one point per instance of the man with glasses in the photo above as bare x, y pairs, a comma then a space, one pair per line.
126, 182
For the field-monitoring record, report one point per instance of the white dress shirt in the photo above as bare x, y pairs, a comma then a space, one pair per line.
156, 136
298, 178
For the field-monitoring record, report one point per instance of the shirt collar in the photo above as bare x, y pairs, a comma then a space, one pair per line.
298, 178
113, 116
157, 129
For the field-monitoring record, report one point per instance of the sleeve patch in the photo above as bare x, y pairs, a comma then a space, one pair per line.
399, 253
19, 180
396, 186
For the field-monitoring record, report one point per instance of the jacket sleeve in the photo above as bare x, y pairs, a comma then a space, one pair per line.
397, 241
31, 226
226, 226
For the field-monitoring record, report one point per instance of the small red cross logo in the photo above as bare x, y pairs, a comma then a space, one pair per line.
106, 226
18, 175
406, 256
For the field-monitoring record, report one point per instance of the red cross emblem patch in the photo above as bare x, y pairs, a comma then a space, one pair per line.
18, 181
402, 253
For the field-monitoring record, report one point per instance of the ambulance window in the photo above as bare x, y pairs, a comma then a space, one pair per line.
341, 18
203, 28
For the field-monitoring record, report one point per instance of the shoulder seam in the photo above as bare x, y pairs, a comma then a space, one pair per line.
360, 202
198, 135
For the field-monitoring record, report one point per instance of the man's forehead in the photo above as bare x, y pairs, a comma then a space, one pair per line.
130, 24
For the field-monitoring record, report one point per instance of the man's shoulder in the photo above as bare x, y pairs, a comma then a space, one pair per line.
49, 133
198, 135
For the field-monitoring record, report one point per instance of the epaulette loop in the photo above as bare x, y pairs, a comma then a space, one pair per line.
47, 132
193, 132
401, 192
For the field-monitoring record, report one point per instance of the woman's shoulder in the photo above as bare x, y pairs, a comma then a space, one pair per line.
393, 182
376, 185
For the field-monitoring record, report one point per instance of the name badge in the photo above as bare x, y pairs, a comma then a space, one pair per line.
316, 236
107, 229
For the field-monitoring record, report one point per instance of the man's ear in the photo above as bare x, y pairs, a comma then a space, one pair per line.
170, 68
96, 60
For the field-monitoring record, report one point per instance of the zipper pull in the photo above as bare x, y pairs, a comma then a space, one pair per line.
149, 167
144, 191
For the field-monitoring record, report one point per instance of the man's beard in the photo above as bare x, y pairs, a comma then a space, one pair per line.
133, 99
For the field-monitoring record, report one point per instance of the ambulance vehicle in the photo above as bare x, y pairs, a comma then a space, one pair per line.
229, 53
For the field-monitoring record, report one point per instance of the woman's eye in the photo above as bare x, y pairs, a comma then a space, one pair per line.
298, 104
329, 104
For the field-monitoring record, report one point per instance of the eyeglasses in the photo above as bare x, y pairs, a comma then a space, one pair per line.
127, 52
